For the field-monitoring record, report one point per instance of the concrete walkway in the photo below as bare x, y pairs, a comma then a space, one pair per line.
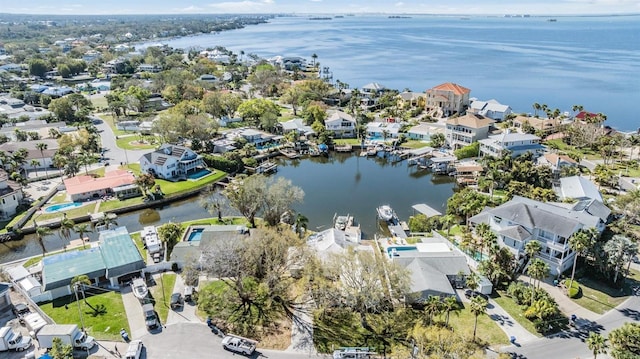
566, 305
302, 332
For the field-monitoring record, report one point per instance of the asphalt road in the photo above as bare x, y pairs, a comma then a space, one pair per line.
569, 345
195, 340
115, 155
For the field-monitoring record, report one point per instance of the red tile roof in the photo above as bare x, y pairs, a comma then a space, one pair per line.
584, 115
84, 184
449, 86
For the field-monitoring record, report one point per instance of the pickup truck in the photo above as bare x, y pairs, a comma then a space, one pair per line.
239, 344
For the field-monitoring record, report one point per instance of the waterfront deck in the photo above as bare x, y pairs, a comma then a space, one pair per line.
426, 210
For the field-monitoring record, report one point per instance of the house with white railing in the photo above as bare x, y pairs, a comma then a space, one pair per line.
516, 143
171, 162
464, 130
341, 124
522, 220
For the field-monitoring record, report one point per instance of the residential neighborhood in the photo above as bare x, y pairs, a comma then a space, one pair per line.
153, 196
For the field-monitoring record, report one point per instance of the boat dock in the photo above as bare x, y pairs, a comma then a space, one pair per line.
290, 153
345, 148
398, 230
426, 210
264, 167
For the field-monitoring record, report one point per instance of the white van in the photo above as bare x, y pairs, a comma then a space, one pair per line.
134, 350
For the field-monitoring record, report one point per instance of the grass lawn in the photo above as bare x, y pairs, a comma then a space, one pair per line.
214, 221
71, 213
99, 101
15, 220
162, 303
98, 171
515, 312
413, 144
599, 297
61, 197
131, 143
103, 325
112, 204
347, 141
170, 188
488, 331
137, 239
133, 167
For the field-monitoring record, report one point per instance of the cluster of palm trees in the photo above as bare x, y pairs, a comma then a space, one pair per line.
622, 341
66, 226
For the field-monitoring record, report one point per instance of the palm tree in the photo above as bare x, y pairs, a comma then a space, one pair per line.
35, 163
473, 281
532, 248
579, 242
314, 57
82, 229
79, 282
597, 344
447, 221
41, 146
432, 308
41, 233
620, 250
536, 108
450, 304
301, 224
538, 269
477, 306
66, 225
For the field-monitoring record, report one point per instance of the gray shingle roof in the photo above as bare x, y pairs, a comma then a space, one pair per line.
516, 232
429, 274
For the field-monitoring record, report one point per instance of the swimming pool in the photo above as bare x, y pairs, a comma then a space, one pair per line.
198, 174
62, 206
195, 235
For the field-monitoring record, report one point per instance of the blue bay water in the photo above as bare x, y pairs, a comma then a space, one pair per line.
591, 61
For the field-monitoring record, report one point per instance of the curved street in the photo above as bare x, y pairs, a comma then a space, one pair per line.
569, 345
114, 154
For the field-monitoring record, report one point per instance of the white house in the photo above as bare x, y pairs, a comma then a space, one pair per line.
464, 130
10, 196
373, 89
424, 131
377, 130
341, 124
556, 161
171, 162
516, 143
297, 124
44, 158
522, 220
149, 68
578, 188
492, 109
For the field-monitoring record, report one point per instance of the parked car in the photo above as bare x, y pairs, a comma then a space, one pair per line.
472, 294
20, 310
134, 350
176, 300
150, 317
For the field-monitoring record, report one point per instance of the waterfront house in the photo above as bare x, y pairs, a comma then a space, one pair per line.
44, 158
118, 183
373, 89
408, 99
114, 260
492, 109
334, 241
464, 130
171, 162
516, 143
297, 125
436, 268
257, 137
341, 124
383, 130
152, 68
546, 126
424, 131
522, 220
449, 98
468, 174
10, 196
202, 238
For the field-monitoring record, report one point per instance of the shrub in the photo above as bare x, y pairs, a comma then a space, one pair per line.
574, 291
468, 151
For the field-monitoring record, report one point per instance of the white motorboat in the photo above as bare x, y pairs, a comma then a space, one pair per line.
385, 212
139, 288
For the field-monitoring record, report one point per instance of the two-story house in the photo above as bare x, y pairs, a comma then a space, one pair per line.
492, 109
171, 162
341, 124
516, 143
544, 125
464, 130
522, 220
10, 196
383, 130
448, 97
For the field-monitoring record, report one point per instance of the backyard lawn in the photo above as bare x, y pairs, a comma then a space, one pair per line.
600, 298
163, 286
112, 204
137, 239
103, 322
487, 331
71, 213
214, 221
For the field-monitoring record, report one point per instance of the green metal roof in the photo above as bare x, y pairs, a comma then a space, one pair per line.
120, 254
59, 269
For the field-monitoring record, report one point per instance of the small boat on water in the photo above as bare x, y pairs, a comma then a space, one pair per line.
385, 212
139, 288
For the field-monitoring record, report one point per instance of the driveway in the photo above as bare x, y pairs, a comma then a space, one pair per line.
115, 155
187, 313
133, 308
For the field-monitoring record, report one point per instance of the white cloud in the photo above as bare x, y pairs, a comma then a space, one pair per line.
242, 6
315, 0
399, 4
191, 8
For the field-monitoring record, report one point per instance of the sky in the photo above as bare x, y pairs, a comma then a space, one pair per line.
533, 7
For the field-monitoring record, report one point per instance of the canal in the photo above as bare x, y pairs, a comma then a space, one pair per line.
342, 184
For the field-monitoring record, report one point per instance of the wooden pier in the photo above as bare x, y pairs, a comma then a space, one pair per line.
345, 148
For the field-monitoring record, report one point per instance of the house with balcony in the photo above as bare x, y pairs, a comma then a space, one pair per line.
465, 130
424, 131
409, 99
516, 143
522, 220
296, 125
149, 68
543, 125
383, 130
556, 161
171, 162
449, 98
341, 124
492, 109
43, 158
